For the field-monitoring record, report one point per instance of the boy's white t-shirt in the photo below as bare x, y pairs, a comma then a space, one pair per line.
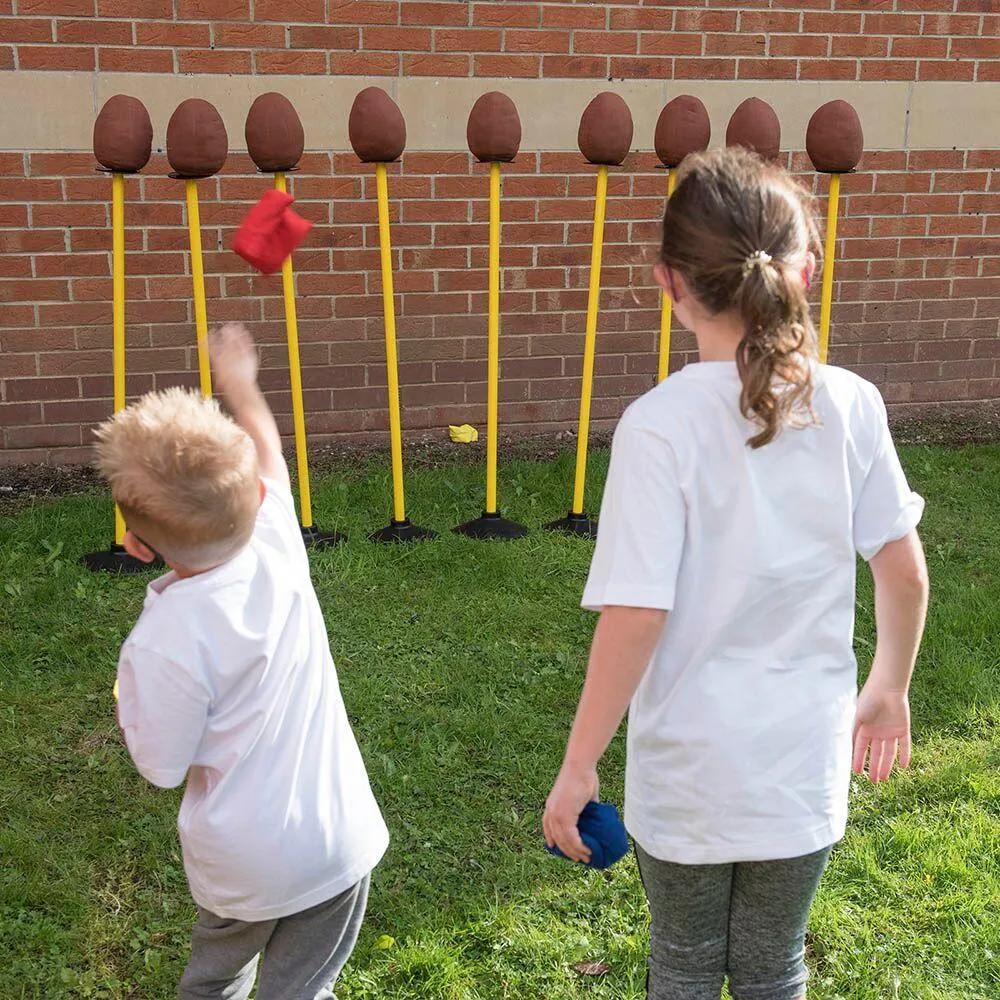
227, 678
740, 733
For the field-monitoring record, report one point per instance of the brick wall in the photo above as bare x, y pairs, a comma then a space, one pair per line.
918, 275
694, 40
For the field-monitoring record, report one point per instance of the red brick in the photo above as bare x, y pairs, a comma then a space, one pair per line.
507, 14
891, 24
94, 32
364, 63
946, 70
290, 11
292, 63
920, 48
705, 20
22, 29
43, 436
217, 61
126, 8
59, 164
31, 389
935, 159
135, 60
363, 12
769, 22
828, 69
735, 45
590, 67
670, 44
508, 66
975, 48
705, 69
799, 45
169, 33
863, 46
579, 16
947, 24
433, 64
252, 36
397, 39
434, 15
884, 70
64, 8
604, 43
213, 10
467, 40
831, 24
767, 69
54, 57
632, 68
18, 365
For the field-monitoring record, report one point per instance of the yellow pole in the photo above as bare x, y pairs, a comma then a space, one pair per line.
493, 354
118, 297
391, 357
590, 343
198, 278
666, 307
295, 377
826, 302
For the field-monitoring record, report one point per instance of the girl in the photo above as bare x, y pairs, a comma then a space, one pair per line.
739, 491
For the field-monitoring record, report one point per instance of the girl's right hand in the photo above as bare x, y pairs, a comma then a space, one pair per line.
574, 788
881, 730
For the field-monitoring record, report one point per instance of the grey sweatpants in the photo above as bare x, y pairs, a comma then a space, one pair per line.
747, 921
303, 953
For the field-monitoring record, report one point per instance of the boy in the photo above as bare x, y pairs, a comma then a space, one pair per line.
227, 679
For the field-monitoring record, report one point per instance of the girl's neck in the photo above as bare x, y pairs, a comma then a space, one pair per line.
718, 337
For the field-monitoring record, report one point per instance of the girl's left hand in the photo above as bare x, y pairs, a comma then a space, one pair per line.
574, 788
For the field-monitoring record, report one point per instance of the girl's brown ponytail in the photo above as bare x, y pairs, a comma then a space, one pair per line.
736, 228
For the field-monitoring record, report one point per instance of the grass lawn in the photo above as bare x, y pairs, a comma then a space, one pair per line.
460, 664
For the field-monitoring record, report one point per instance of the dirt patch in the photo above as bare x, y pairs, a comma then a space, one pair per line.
24, 484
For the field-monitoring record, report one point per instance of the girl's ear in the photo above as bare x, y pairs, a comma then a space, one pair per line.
136, 549
809, 270
669, 280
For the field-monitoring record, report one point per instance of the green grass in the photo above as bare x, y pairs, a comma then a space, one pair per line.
460, 665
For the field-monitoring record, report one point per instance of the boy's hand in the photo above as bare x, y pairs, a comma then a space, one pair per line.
574, 788
881, 730
234, 359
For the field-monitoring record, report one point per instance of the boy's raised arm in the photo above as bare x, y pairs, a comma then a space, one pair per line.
234, 362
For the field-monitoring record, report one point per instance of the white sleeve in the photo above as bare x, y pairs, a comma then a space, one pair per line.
886, 509
640, 536
162, 710
278, 524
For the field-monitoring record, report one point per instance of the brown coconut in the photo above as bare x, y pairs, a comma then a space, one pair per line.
197, 144
682, 128
494, 129
834, 139
123, 135
605, 135
376, 127
755, 126
274, 134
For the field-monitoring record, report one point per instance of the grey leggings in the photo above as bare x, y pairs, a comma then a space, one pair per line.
303, 953
747, 921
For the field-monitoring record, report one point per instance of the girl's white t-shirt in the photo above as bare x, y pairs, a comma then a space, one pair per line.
227, 678
739, 735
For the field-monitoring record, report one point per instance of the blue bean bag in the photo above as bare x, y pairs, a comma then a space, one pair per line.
602, 830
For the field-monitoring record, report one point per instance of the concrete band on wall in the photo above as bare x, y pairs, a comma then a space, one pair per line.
895, 116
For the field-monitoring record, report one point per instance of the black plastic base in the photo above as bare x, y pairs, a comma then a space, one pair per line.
492, 526
402, 531
575, 524
117, 560
316, 539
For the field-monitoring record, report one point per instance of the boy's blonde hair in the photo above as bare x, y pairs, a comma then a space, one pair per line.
184, 474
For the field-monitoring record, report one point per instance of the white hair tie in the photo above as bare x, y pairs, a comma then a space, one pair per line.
758, 259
